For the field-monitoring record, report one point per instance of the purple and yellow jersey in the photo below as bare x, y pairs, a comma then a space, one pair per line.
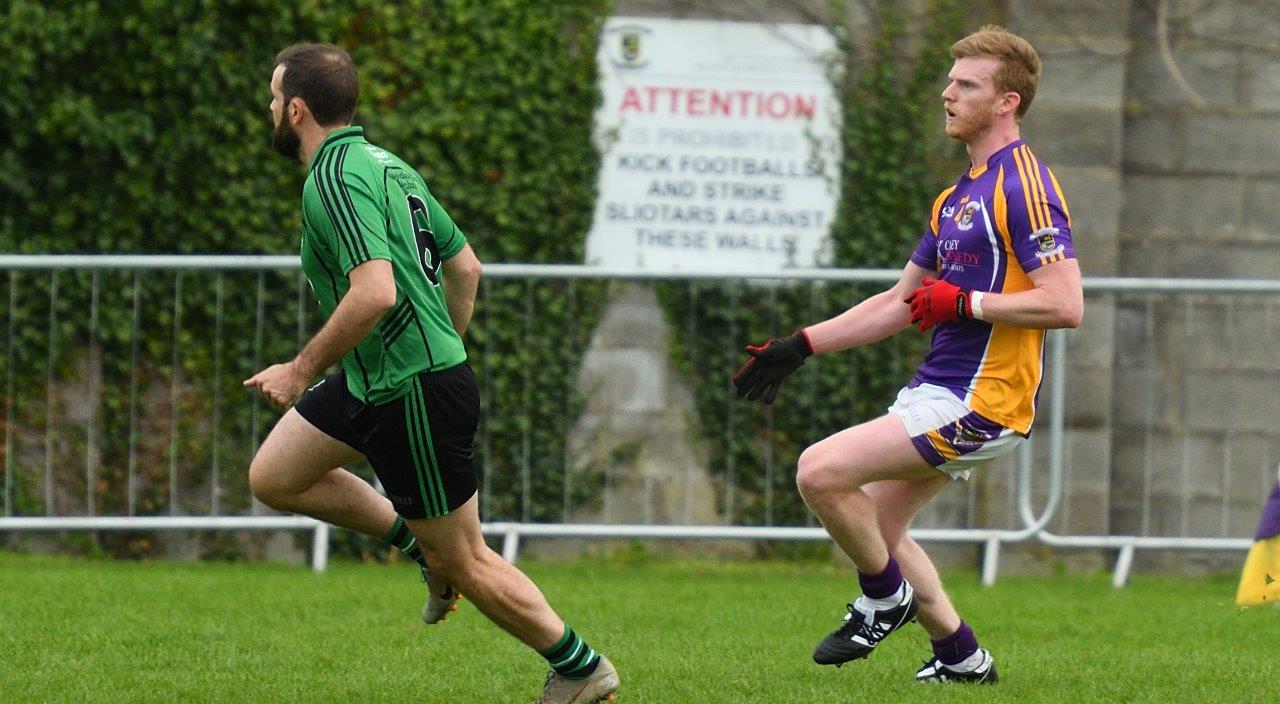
997, 223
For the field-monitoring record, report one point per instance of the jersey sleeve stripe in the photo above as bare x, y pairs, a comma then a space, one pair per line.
1026, 189
1062, 197
934, 220
339, 224
1026, 192
444, 246
350, 205
326, 199
1042, 195
1041, 199
345, 227
1038, 198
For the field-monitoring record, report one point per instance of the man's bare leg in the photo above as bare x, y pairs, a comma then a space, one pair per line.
832, 476
455, 549
833, 472
896, 505
953, 641
298, 469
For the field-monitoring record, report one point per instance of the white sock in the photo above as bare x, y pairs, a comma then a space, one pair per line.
888, 602
970, 663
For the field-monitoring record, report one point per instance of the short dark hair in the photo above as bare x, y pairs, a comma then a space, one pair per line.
324, 76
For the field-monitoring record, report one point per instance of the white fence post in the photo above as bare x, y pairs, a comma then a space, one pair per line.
1124, 562
990, 562
320, 547
511, 545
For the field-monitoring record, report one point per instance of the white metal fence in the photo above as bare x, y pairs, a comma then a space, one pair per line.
1133, 449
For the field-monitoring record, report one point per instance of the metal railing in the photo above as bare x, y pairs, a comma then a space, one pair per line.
995, 511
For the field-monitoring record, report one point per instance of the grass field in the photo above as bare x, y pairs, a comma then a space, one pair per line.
680, 632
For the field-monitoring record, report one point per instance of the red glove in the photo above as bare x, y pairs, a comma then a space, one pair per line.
938, 302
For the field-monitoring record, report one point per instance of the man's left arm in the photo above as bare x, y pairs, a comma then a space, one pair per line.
461, 278
371, 295
1039, 227
1056, 301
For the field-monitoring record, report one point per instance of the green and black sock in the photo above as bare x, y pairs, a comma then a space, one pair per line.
400, 537
571, 656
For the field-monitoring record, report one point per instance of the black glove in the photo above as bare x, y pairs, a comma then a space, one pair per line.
770, 363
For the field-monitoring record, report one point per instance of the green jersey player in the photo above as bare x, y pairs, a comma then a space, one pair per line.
397, 280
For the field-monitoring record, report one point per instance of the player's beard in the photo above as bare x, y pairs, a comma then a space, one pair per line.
285, 140
971, 126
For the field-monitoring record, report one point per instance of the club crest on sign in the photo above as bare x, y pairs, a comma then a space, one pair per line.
628, 46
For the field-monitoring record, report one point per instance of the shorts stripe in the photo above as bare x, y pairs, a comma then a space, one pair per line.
949, 442
926, 449
420, 428
943, 447
424, 462
947, 434
431, 450
415, 447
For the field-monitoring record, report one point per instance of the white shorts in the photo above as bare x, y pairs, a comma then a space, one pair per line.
947, 433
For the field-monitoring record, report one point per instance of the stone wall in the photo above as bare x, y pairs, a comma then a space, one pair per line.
1196, 379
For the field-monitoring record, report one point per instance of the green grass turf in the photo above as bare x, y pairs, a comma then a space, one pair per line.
77, 630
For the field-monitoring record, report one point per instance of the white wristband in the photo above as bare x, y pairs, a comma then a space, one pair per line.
975, 304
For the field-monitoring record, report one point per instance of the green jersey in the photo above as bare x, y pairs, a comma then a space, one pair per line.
360, 203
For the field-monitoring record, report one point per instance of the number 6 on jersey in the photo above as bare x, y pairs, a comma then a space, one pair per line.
428, 250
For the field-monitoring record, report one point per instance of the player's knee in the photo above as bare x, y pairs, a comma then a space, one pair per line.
458, 565
813, 475
266, 486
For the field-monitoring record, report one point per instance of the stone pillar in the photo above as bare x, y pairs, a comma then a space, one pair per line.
635, 423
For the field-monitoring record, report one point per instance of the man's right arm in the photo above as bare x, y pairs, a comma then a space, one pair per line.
461, 279
872, 320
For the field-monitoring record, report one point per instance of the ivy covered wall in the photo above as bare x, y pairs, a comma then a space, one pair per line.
144, 128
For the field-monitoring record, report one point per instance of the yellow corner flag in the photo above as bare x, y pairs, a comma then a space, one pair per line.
1260, 579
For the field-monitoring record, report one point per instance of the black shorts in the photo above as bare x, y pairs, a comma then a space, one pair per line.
422, 445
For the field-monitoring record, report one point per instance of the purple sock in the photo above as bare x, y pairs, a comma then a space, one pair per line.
957, 646
883, 585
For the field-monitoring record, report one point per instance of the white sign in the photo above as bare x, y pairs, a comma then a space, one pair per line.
720, 146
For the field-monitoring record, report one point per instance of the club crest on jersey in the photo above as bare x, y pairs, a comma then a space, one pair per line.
1045, 239
964, 219
971, 436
